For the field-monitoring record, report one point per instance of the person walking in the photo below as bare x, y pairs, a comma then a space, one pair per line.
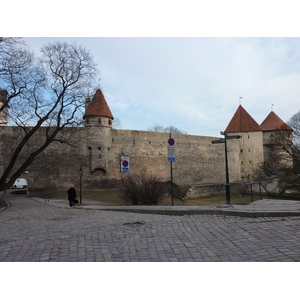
71, 196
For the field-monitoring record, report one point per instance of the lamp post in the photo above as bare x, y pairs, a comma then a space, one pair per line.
80, 172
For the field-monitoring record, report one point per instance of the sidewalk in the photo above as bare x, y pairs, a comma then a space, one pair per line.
259, 208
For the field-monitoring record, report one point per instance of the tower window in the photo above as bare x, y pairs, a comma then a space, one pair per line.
241, 150
99, 120
109, 122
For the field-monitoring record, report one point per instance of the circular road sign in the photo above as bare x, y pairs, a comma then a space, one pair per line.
171, 141
125, 163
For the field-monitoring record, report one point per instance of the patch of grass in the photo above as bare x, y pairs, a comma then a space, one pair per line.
113, 197
107, 196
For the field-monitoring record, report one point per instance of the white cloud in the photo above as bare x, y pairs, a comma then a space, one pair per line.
195, 83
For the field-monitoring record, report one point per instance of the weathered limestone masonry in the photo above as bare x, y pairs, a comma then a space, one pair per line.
97, 148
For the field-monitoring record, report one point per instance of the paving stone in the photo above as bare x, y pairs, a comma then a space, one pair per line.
34, 231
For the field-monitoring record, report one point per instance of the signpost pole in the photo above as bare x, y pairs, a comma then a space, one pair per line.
221, 141
227, 185
125, 167
171, 169
124, 188
171, 155
172, 197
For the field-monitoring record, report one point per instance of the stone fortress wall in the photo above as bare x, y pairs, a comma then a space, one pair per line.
97, 149
197, 160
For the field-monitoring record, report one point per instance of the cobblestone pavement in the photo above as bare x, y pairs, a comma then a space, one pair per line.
33, 231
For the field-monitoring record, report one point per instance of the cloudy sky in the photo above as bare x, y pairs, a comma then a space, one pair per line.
182, 64
195, 84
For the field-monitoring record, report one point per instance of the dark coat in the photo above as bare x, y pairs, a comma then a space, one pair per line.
72, 194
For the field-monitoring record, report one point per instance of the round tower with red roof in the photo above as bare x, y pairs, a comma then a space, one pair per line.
277, 140
98, 123
97, 111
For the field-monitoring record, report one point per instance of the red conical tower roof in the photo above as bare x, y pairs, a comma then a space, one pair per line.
242, 122
273, 122
98, 107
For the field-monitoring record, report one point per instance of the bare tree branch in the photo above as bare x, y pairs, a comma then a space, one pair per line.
160, 128
48, 94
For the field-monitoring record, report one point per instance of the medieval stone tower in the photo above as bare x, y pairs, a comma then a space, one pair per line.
277, 138
98, 122
249, 151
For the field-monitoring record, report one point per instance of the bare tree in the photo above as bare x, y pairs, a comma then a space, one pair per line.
294, 122
16, 69
116, 123
160, 128
45, 95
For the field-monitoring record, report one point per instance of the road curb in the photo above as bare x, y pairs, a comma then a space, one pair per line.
221, 210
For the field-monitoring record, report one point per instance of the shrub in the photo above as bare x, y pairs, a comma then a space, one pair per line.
242, 190
147, 189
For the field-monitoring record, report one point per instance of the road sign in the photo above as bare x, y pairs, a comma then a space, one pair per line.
218, 141
232, 137
171, 159
125, 164
171, 142
171, 150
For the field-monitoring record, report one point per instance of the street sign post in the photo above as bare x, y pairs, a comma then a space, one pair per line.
125, 167
171, 159
171, 150
233, 137
220, 141
125, 164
